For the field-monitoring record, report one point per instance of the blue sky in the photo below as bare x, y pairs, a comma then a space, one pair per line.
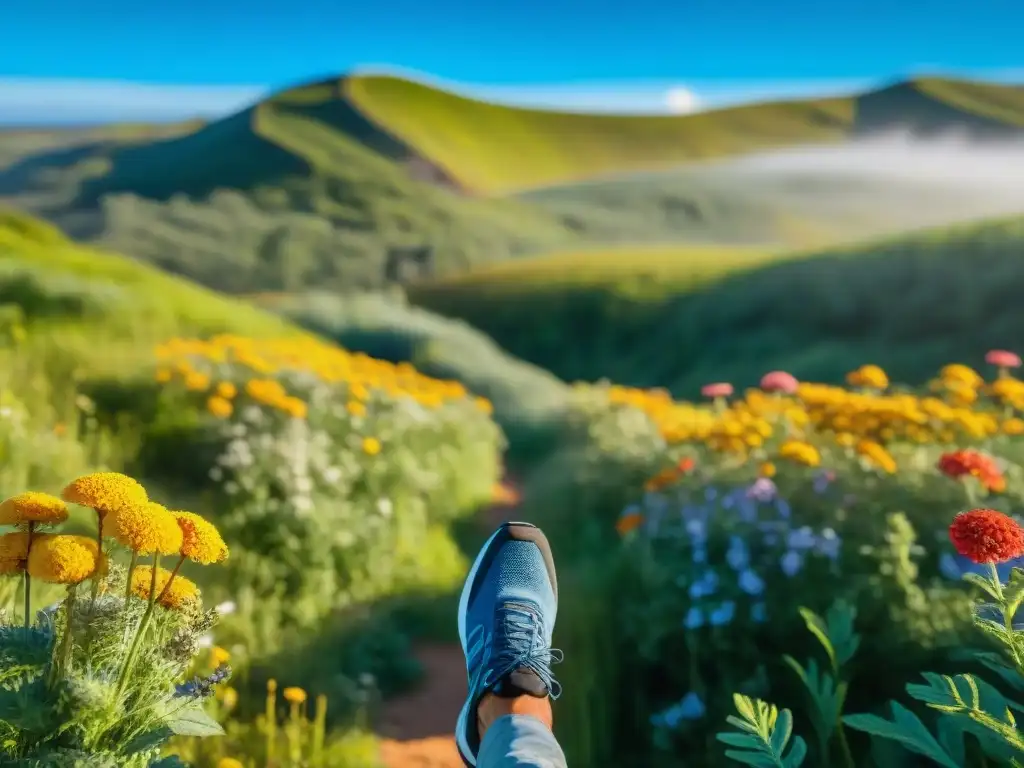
125, 59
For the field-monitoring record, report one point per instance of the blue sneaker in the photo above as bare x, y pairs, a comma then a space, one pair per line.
506, 618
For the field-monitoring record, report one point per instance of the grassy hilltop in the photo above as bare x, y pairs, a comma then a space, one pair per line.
681, 317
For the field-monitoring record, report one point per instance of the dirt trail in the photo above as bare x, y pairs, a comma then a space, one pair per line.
416, 729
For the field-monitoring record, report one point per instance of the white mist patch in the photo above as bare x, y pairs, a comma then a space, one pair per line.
950, 162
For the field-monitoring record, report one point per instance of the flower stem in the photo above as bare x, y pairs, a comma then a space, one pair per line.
95, 578
1007, 616
28, 582
170, 578
128, 579
63, 662
143, 626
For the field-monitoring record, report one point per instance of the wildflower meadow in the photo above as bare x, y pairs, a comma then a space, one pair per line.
789, 560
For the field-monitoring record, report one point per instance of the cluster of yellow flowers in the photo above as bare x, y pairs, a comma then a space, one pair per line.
226, 366
124, 513
865, 416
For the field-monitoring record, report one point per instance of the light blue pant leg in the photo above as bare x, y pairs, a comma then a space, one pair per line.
519, 741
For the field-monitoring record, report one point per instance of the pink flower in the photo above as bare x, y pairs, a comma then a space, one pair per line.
779, 381
1003, 358
717, 389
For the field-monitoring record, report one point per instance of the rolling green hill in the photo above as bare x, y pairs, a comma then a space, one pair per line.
654, 318
99, 314
492, 149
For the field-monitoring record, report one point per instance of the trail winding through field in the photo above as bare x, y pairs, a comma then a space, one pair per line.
416, 728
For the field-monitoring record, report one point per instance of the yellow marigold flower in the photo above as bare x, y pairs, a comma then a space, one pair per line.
294, 407
355, 408
767, 469
201, 541
868, 376
181, 593
147, 528
485, 405
227, 390
371, 446
32, 507
13, 552
62, 559
219, 407
960, 374
1013, 426
197, 382
877, 455
800, 452
105, 492
219, 656
229, 762
294, 695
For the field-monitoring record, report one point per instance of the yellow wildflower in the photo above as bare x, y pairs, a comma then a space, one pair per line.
227, 390
294, 695
218, 656
181, 592
197, 382
33, 507
960, 374
146, 528
800, 452
355, 408
868, 376
767, 469
228, 697
105, 492
1013, 426
229, 762
163, 376
201, 541
371, 446
219, 407
62, 559
876, 455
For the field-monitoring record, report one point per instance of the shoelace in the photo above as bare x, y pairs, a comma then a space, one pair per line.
522, 646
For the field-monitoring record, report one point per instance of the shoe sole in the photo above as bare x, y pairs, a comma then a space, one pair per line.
506, 532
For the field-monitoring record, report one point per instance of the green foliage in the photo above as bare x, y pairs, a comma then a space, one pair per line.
764, 736
887, 302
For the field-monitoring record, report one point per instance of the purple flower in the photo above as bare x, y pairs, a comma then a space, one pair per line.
763, 490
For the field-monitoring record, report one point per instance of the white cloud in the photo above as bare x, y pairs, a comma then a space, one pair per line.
680, 101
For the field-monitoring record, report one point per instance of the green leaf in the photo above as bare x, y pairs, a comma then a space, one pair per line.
1013, 592
840, 619
192, 720
906, 729
999, 664
826, 697
171, 761
982, 583
819, 629
766, 732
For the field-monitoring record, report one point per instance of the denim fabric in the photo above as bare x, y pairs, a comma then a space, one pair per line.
519, 741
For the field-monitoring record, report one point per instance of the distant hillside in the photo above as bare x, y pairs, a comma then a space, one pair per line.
486, 148
100, 314
654, 318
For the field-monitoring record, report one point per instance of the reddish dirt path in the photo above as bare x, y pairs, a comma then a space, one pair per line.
416, 729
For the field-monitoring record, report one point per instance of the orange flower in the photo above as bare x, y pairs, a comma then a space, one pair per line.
629, 522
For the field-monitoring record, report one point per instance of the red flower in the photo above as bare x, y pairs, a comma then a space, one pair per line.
1003, 358
780, 381
987, 536
965, 463
717, 389
686, 464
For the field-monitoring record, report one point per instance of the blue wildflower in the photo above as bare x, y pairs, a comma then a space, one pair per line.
737, 555
691, 707
705, 586
791, 562
723, 614
782, 508
201, 687
710, 493
694, 618
829, 543
802, 538
751, 583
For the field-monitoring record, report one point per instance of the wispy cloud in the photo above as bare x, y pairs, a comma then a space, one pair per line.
36, 102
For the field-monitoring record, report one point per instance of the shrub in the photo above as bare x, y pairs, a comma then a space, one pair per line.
99, 676
751, 507
327, 467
